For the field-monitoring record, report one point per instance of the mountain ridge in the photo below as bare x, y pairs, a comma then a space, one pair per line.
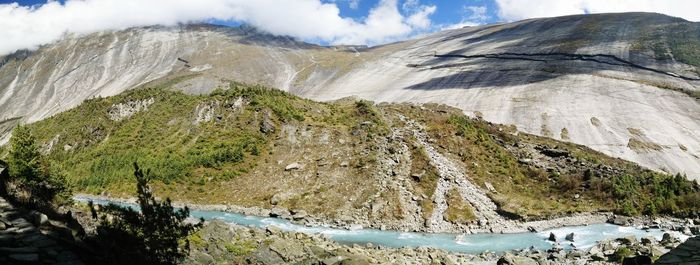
540, 96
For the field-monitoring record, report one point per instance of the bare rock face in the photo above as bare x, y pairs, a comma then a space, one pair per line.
205, 112
125, 110
585, 79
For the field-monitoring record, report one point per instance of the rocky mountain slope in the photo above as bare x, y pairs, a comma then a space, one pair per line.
349, 162
623, 84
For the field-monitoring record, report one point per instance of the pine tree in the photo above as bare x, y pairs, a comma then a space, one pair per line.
24, 158
44, 183
156, 235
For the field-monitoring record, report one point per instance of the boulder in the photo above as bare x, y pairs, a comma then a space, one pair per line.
288, 250
570, 237
552, 237
510, 259
648, 240
618, 220
39, 219
628, 240
299, 215
272, 230
596, 253
292, 166
669, 240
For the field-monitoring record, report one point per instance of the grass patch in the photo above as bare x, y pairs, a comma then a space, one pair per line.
641, 146
240, 248
425, 178
458, 211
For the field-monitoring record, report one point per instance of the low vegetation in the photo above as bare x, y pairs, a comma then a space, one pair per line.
501, 156
458, 211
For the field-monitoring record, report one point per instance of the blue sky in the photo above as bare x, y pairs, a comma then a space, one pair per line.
27, 24
448, 12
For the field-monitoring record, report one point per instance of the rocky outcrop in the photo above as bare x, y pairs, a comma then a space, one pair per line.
125, 110
205, 112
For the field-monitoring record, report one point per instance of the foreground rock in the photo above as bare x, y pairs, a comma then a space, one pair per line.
686, 253
26, 238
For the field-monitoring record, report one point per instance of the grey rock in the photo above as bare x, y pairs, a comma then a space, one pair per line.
628, 240
199, 257
267, 126
552, 237
668, 239
273, 230
510, 259
648, 240
332, 260
288, 250
299, 215
39, 219
619, 220
292, 166
570, 237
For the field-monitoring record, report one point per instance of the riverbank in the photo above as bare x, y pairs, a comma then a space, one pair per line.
302, 218
222, 242
230, 235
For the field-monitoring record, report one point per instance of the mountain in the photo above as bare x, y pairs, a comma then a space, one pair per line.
623, 84
399, 166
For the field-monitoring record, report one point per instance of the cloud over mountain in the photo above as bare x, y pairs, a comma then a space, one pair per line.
28, 27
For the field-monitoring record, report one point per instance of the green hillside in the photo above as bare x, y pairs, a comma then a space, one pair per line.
240, 146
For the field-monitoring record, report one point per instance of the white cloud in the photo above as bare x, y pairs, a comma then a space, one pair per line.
28, 27
511, 10
354, 4
472, 16
476, 13
421, 18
